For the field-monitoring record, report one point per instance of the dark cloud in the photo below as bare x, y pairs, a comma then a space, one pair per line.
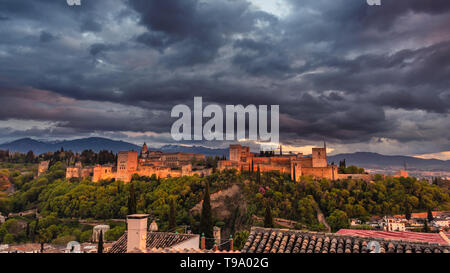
340, 70
196, 29
46, 37
91, 25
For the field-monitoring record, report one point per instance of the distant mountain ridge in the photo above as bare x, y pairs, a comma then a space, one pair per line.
78, 145
360, 159
97, 144
374, 160
194, 149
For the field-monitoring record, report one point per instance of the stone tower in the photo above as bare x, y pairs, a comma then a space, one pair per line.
319, 157
235, 152
127, 163
144, 149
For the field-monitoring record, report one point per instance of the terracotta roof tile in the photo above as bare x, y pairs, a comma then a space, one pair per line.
262, 240
397, 235
423, 214
187, 250
154, 240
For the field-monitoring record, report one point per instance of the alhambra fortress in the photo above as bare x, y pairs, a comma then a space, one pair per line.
148, 163
296, 165
164, 165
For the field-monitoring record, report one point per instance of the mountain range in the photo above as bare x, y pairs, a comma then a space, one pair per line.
377, 161
360, 159
97, 144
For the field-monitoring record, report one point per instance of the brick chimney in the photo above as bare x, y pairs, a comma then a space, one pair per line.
137, 232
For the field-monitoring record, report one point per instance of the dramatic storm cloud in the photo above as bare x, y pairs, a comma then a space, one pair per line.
364, 78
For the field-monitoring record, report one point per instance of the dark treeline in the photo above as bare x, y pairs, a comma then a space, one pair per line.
87, 157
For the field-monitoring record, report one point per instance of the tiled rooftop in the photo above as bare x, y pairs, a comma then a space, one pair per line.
424, 214
397, 235
186, 250
262, 240
154, 240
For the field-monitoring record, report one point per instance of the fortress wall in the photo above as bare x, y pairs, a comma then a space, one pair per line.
329, 172
365, 177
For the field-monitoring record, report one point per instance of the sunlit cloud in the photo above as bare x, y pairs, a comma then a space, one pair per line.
441, 156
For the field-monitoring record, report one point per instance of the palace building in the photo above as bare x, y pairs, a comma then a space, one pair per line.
296, 165
148, 163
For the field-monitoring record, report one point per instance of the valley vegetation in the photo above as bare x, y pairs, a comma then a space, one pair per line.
62, 203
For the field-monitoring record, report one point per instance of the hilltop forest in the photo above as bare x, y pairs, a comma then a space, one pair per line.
62, 203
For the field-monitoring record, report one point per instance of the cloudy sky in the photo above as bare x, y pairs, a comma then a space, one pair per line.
364, 78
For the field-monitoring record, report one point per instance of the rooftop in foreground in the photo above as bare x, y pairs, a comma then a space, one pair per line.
397, 235
155, 240
263, 240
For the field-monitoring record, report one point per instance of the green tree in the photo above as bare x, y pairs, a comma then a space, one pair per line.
8, 238
407, 211
239, 239
258, 176
268, 220
115, 233
29, 158
338, 220
172, 216
34, 233
132, 200
206, 221
100, 242
426, 228
86, 236
430, 215
306, 210
44, 236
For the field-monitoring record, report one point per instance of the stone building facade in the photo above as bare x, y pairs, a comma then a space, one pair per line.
148, 163
297, 165
43, 167
78, 171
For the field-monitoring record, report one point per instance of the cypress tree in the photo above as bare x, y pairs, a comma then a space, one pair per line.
425, 227
206, 221
258, 176
407, 211
28, 230
172, 216
268, 220
435, 180
35, 230
294, 173
430, 215
100, 243
132, 200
